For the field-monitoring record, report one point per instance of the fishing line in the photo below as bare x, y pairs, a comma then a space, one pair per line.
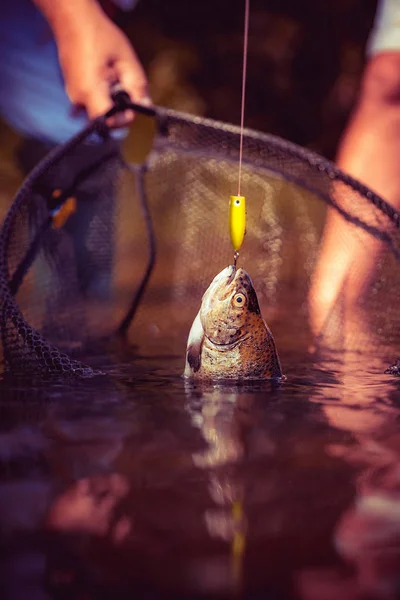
244, 74
237, 229
237, 207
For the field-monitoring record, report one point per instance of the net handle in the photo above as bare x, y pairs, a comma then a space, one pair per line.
122, 101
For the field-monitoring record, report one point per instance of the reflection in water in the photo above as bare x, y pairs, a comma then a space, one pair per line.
157, 487
224, 418
367, 537
88, 506
367, 534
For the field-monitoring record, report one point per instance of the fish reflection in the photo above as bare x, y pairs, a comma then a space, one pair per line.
220, 422
226, 417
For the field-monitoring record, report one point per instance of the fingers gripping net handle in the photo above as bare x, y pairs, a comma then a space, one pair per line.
122, 102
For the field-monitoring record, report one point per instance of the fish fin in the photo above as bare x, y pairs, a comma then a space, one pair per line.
194, 345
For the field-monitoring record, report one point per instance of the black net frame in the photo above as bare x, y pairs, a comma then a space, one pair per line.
27, 349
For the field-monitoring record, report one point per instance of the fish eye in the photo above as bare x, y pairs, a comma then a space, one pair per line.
239, 299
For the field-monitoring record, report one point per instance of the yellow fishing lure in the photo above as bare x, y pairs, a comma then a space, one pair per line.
237, 220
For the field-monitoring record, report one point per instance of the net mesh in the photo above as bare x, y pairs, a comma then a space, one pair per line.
68, 277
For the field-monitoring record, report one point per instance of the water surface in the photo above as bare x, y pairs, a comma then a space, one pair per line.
139, 484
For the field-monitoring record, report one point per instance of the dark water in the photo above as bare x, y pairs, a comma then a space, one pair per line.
140, 485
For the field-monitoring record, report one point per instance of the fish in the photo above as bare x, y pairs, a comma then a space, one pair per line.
229, 339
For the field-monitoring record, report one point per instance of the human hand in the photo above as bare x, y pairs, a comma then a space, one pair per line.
93, 56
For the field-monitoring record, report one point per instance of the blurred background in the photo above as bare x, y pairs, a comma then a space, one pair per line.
304, 67
305, 61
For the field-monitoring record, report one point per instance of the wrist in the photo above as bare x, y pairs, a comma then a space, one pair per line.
69, 17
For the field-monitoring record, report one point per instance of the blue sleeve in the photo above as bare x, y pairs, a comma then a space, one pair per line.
32, 96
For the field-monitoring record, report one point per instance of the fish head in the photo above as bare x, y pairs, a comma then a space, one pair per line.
228, 305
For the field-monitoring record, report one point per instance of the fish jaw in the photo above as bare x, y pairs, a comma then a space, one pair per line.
253, 357
220, 282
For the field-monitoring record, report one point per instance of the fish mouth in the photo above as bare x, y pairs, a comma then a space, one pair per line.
232, 275
237, 273
225, 347
232, 284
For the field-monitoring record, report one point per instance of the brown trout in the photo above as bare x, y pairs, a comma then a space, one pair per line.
229, 339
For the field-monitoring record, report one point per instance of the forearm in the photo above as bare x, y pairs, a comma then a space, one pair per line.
93, 53
67, 16
370, 148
